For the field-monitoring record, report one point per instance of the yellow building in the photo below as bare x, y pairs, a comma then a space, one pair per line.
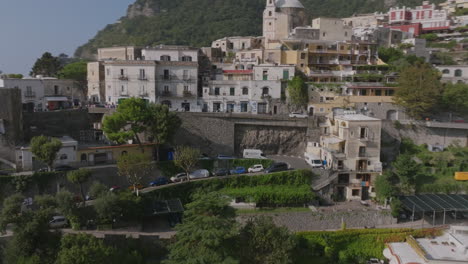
96, 155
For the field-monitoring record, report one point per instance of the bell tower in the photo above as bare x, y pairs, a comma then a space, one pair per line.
269, 20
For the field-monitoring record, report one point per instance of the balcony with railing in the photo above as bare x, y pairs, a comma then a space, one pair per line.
142, 78
30, 94
188, 94
123, 77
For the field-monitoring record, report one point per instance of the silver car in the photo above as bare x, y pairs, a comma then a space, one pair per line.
199, 174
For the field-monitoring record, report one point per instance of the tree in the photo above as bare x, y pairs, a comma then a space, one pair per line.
97, 190
76, 71
79, 177
45, 149
385, 187
455, 98
407, 171
108, 208
298, 92
261, 241
11, 210
419, 89
47, 65
66, 205
162, 125
84, 249
127, 122
389, 55
186, 158
32, 241
207, 234
134, 167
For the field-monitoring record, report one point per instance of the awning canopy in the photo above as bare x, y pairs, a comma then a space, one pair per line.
435, 202
56, 99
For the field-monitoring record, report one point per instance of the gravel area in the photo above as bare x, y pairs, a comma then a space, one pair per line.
308, 221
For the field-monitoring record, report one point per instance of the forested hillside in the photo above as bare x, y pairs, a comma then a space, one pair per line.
198, 22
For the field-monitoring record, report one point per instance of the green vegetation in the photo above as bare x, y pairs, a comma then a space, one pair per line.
352, 246
135, 116
79, 177
186, 158
45, 149
298, 92
273, 195
419, 89
47, 65
134, 168
461, 12
290, 186
429, 36
210, 234
199, 22
455, 98
445, 45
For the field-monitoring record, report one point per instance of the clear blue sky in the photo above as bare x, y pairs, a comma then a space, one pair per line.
31, 27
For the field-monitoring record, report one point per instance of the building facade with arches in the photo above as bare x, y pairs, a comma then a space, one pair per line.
454, 73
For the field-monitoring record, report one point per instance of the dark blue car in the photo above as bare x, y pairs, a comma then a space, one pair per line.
159, 181
238, 170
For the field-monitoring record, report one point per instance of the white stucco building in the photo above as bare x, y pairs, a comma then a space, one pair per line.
65, 156
454, 73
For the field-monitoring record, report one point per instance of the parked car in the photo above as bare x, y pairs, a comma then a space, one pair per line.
221, 172
199, 174
180, 177
297, 115
276, 167
238, 170
159, 181
114, 188
58, 222
64, 168
256, 168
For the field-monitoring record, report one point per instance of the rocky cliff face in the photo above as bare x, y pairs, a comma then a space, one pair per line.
271, 140
145, 8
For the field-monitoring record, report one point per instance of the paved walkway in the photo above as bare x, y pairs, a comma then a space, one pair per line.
133, 234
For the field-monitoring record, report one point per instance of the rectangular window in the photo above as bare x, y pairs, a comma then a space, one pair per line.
285, 75
166, 75
216, 91
186, 88
265, 75
232, 91
355, 192
186, 75
142, 74
244, 106
166, 88
56, 89
363, 132
122, 72
230, 78
303, 56
108, 71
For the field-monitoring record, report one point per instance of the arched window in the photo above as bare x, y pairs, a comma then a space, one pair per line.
265, 90
458, 73
245, 91
186, 58
446, 71
165, 58
269, 13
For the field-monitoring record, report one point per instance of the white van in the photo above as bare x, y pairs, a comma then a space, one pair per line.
253, 154
313, 161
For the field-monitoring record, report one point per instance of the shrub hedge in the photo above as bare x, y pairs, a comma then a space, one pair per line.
273, 194
356, 245
293, 179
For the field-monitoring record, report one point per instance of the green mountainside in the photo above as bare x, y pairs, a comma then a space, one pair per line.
199, 22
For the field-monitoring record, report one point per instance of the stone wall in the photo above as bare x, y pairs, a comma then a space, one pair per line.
270, 139
56, 124
217, 134
211, 135
11, 114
